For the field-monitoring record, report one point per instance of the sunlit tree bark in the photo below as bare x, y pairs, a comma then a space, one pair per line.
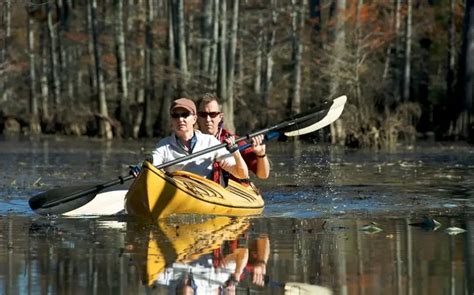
105, 128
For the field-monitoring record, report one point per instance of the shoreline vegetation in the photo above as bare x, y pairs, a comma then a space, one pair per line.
110, 69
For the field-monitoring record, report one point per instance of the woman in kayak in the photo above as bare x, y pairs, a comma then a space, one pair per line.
185, 140
210, 121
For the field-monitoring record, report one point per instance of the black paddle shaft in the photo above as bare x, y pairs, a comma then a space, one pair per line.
48, 199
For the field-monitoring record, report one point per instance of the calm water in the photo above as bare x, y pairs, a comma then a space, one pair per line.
334, 218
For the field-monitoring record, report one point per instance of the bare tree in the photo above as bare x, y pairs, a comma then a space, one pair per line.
213, 64
297, 25
269, 48
35, 127
257, 82
182, 54
206, 34
146, 128
169, 80
222, 57
105, 128
122, 81
231, 57
451, 49
465, 121
339, 50
53, 51
6, 18
407, 57
45, 117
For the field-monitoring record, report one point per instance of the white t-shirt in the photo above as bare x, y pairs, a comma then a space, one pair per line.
207, 278
169, 149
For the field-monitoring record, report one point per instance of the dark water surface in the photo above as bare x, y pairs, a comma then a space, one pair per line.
333, 217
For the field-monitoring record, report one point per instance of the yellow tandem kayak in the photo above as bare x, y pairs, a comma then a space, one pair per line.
155, 194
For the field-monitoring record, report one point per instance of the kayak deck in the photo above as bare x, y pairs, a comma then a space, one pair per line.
155, 194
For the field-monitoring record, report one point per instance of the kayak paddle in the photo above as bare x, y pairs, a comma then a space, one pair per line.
61, 200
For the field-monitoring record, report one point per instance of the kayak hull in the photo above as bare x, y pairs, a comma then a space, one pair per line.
155, 194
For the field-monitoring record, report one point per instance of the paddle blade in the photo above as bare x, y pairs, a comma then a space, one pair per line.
319, 120
106, 203
40, 203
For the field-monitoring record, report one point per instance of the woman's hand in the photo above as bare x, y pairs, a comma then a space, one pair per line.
258, 145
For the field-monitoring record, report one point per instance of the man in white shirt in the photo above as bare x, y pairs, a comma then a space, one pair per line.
185, 140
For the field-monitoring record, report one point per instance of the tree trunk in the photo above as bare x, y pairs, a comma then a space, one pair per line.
465, 122
183, 63
122, 81
54, 59
339, 47
257, 83
213, 66
358, 44
169, 80
105, 128
451, 50
339, 53
206, 33
270, 43
316, 21
6, 13
45, 117
407, 57
90, 51
146, 128
35, 127
222, 61
229, 118
140, 98
297, 25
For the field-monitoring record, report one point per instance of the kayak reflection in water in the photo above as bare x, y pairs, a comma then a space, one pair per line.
221, 271
185, 140
211, 121
210, 256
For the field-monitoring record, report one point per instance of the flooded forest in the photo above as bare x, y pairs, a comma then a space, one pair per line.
111, 68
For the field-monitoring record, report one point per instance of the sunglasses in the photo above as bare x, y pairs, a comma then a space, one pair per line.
181, 115
210, 114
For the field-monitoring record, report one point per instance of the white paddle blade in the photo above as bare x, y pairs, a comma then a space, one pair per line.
293, 288
333, 114
108, 203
